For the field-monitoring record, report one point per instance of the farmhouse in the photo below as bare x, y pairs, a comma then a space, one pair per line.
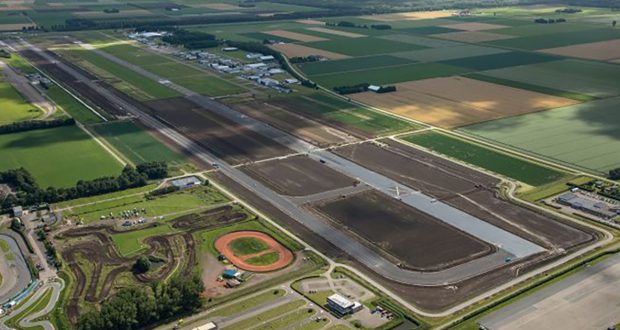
186, 182
18, 211
342, 305
588, 205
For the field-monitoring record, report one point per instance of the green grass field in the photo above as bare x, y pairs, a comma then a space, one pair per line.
99, 198
584, 135
57, 156
581, 77
561, 39
247, 245
136, 143
169, 205
351, 64
245, 304
264, 259
502, 60
448, 53
363, 46
333, 109
131, 242
495, 161
13, 107
73, 107
390, 75
268, 315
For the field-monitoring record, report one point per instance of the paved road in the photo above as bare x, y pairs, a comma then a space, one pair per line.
15, 273
347, 243
28, 320
589, 299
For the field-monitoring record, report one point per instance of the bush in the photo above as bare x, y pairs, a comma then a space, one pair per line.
342, 90
614, 174
142, 265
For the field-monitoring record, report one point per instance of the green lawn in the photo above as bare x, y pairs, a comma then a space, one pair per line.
363, 46
175, 204
266, 316
132, 242
264, 259
245, 304
391, 75
290, 319
247, 245
491, 160
73, 107
584, 135
136, 143
581, 77
99, 198
57, 156
13, 107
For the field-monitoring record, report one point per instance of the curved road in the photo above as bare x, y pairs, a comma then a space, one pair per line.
28, 320
15, 272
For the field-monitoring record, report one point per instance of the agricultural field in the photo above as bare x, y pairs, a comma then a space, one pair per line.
57, 156
136, 143
583, 135
495, 161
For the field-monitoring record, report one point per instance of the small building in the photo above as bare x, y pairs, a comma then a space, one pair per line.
232, 283
291, 81
267, 58
232, 274
374, 88
342, 305
229, 49
588, 204
255, 66
268, 82
18, 211
253, 56
207, 326
275, 71
186, 182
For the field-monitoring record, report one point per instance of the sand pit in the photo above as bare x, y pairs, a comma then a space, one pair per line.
414, 15
474, 26
336, 32
222, 244
602, 51
457, 101
310, 22
293, 50
295, 36
472, 36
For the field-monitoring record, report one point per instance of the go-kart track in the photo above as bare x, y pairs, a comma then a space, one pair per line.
509, 247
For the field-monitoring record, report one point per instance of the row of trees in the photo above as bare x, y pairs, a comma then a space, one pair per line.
138, 307
342, 90
28, 192
360, 26
549, 20
29, 125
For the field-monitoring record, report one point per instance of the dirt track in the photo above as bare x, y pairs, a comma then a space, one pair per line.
234, 143
297, 176
223, 242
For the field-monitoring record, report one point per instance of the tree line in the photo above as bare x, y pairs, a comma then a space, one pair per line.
191, 39
28, 125
139, 307
27, 192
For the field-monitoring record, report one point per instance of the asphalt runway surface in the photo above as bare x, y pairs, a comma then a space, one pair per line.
363, 254
587, 300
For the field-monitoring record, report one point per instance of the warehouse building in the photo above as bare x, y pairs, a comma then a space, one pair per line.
588, 205
342, 305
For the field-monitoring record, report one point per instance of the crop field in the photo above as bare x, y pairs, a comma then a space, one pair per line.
473, 36
582, 77
583, 135
602, 50
457, 101
69, 104
560, 39
503, 60
136, 143
363, 46
315, 69
390, 75
402, 231
13, 107
169, 205
352, 118
295, 50
495, 161
57, 156
448, 53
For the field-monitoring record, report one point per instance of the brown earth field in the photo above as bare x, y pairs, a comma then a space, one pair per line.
466, 189
294, 50
457, 101
93, 244
294, 36
432, 299
417, 240
414, 15
90, 96
602, 50
297, 176
300, 126
226, 139
473, 36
